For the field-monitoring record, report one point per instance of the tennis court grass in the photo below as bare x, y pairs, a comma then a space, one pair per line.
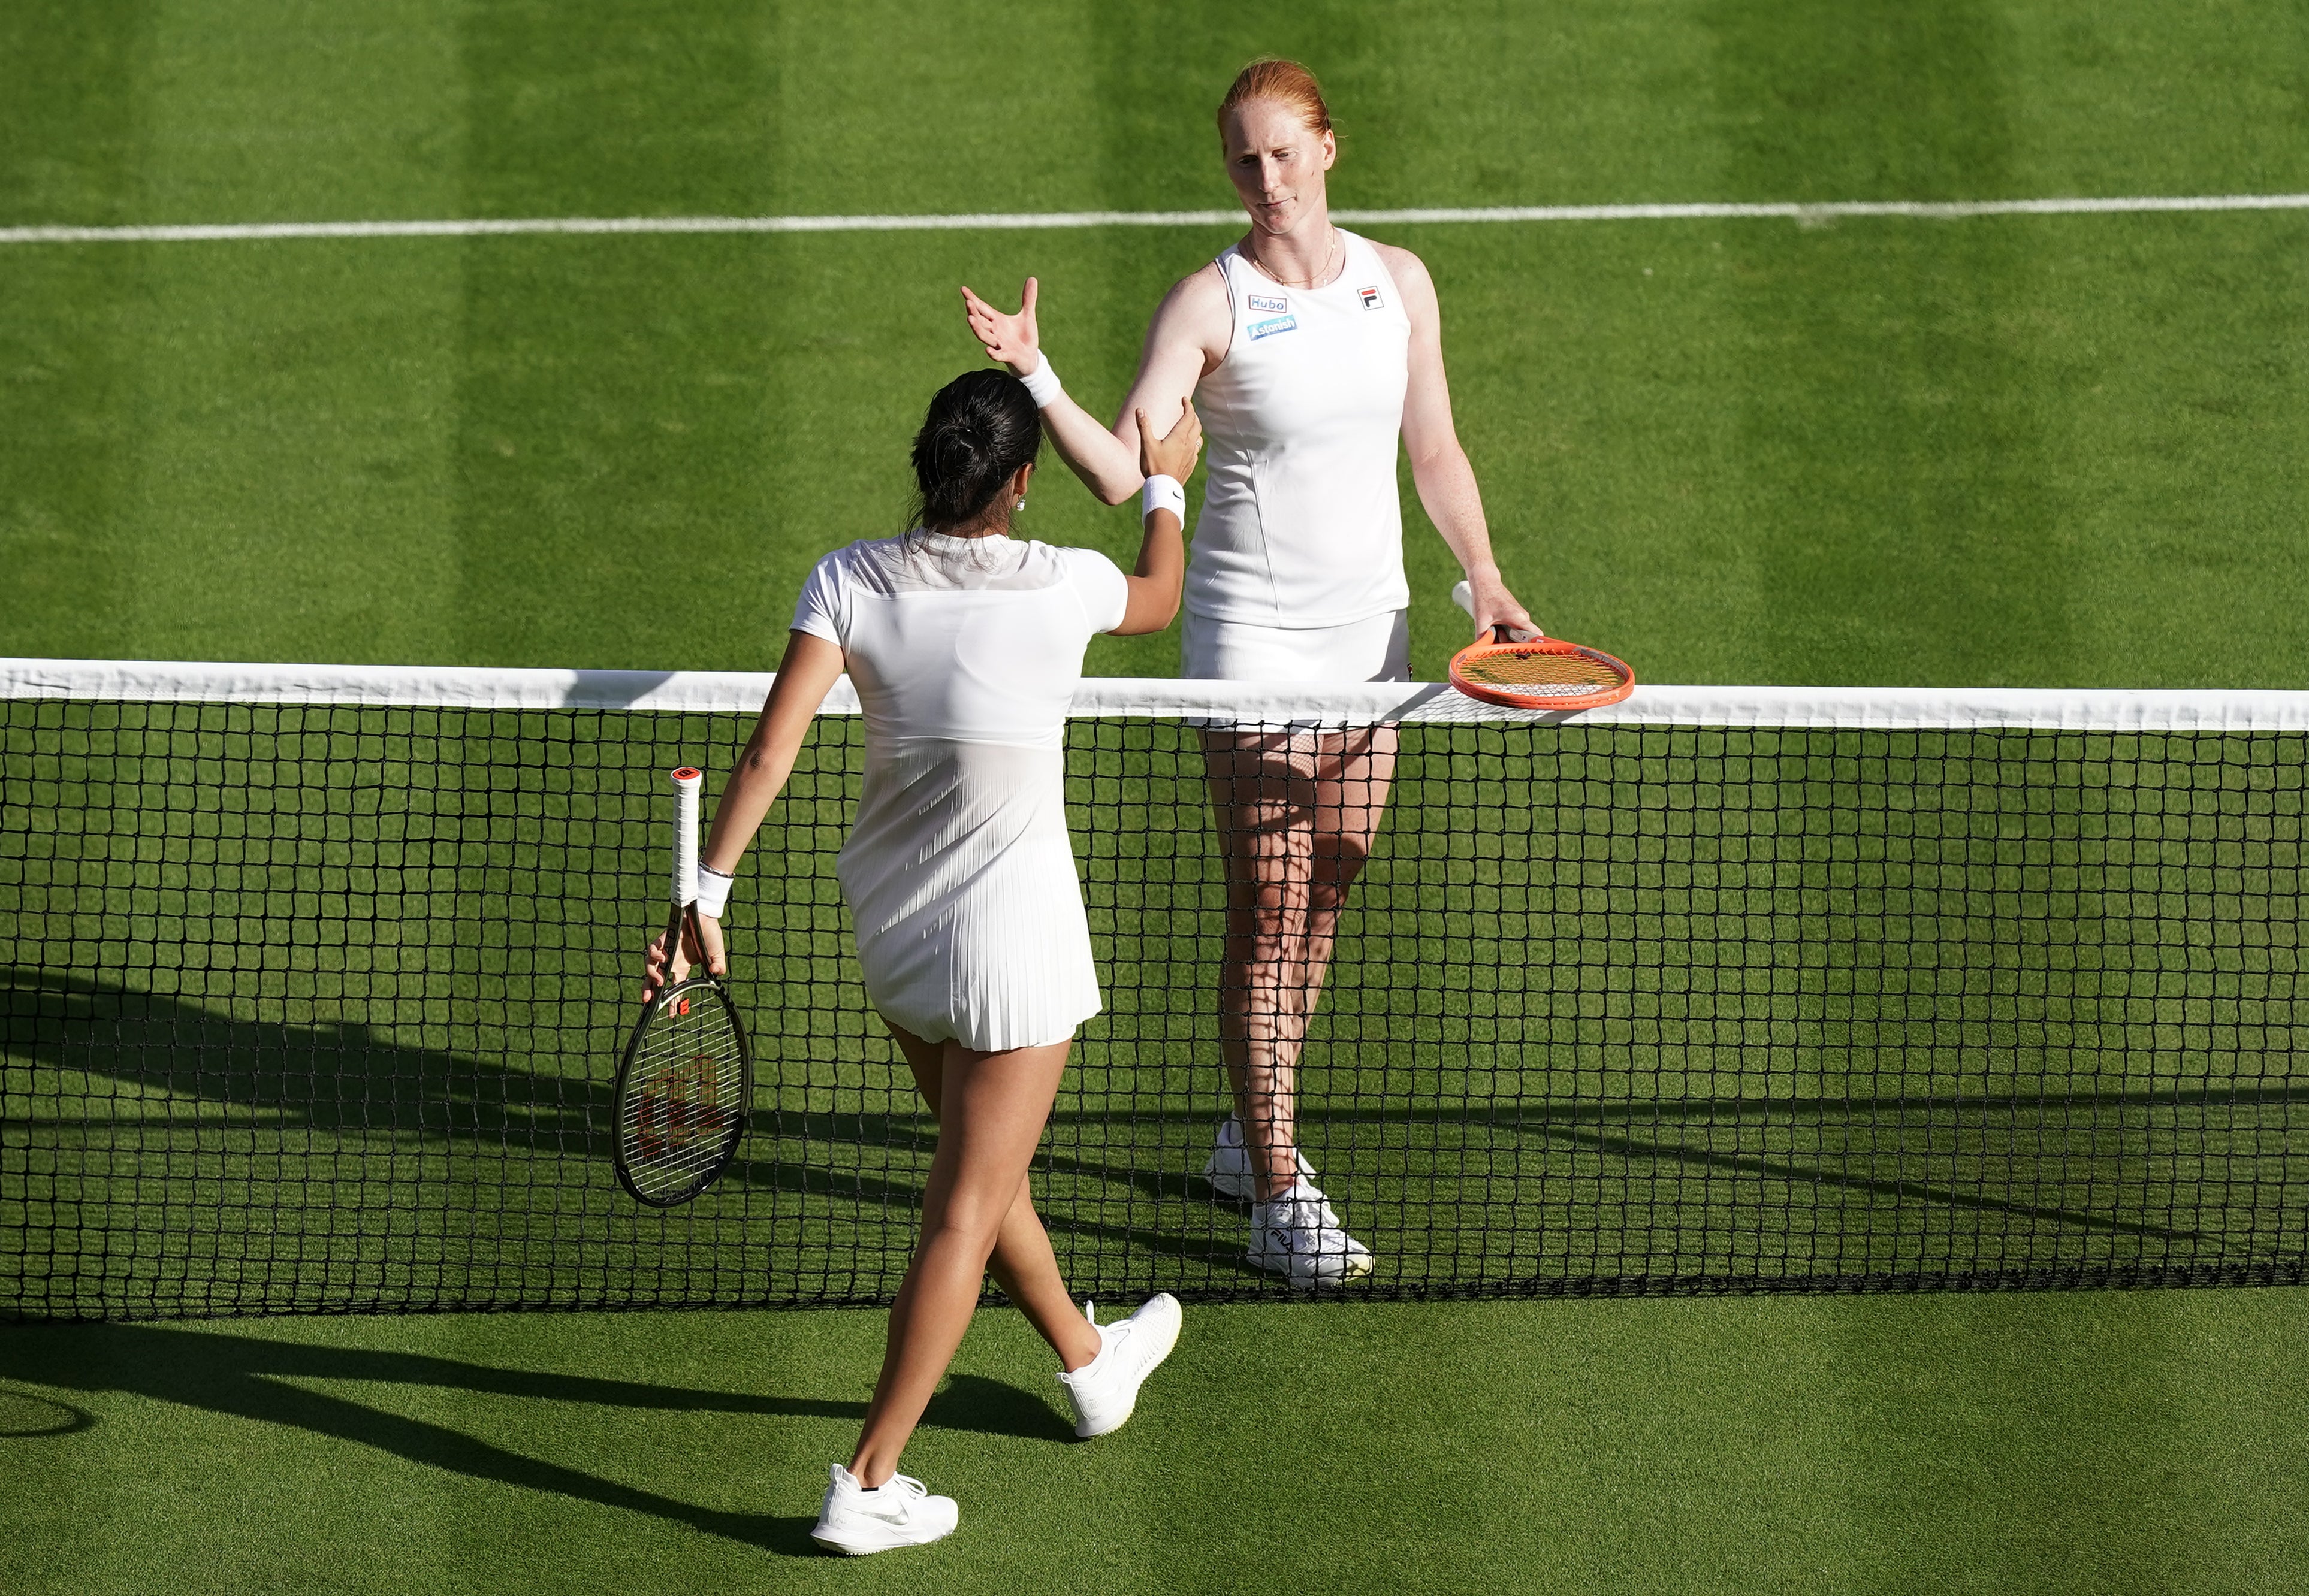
2012, 450
2007, 451
2089, 1443
2053, 450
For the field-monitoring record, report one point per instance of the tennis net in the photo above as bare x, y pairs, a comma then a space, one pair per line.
316, 980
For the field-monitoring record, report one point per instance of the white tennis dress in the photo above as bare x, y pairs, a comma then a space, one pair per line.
959, 875
1297, 569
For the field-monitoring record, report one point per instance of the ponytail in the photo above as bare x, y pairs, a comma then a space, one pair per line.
980, 428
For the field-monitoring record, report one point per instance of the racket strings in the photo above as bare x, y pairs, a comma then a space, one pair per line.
1537, 669
685, 1096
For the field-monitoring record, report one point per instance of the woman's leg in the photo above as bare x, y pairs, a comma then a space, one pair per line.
1022, 1264
1296, 818
1353, 776
1261, 787
991, 1110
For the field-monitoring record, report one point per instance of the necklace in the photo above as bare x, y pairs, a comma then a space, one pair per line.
1321, 277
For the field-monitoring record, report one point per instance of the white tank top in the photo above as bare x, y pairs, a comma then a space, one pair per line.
1301, 524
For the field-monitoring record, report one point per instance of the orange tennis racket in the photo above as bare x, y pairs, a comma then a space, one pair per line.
1529, 671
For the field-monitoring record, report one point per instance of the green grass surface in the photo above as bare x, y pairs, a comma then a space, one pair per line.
2088, 1443
2051, 451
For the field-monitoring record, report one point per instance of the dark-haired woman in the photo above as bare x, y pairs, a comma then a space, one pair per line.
1311, 349
964, 645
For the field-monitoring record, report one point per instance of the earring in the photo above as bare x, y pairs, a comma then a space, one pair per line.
1022, 502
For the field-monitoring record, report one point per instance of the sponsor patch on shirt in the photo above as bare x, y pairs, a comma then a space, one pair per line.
1275, 302
1369, 296
1281, 323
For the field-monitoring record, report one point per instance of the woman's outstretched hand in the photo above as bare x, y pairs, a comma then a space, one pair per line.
1009, 339
664, 965
1172, 456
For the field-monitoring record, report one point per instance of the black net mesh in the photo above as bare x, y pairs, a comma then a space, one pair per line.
314, 1009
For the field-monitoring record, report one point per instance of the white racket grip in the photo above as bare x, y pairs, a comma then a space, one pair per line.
685, 783
1463, 597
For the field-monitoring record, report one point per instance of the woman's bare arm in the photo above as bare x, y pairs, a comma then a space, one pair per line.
1188, 338
805, 676
1161, 569
1438, 465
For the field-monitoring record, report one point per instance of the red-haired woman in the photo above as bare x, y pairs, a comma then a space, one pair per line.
1308, 351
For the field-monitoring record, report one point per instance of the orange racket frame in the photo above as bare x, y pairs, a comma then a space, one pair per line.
1572, 664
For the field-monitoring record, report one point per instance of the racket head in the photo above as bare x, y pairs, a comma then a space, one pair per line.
1541, 673
683, 1092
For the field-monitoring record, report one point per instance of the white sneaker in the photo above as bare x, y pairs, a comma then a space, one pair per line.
1299, 1237
899, 1512
1228, 1169
1106, 1389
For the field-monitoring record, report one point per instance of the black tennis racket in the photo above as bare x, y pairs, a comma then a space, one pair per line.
687, 1077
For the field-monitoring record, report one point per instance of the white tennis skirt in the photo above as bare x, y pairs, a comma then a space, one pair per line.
963, 894
1376, 650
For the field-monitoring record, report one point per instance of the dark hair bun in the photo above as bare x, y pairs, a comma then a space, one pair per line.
980, 428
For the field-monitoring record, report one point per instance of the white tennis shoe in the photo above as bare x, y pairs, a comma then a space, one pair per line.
1298, 1236
1228, 1170
1106, 1389
899, 1512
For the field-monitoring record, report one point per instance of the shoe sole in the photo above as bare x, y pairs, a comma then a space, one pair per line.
826, 1543
1086, 1435
1353, 1269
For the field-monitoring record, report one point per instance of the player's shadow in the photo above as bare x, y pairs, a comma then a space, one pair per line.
262, 1381
345, 1079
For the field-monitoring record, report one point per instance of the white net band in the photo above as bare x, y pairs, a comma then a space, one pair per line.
1344, 703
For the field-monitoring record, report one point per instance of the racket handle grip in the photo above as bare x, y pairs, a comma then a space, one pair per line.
1463, 597
685, 784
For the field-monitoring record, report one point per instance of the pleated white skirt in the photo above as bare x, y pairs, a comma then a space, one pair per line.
961, 889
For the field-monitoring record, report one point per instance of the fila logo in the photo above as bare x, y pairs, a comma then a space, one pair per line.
1273, 303
1369, 296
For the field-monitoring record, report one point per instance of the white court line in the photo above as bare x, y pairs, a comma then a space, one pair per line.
1019, 221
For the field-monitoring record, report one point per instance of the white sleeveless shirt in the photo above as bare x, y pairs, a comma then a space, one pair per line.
1300, 524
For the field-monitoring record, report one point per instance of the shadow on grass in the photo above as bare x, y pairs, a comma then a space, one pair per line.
345, 1079
249, 1377
27, 1417
167, 1066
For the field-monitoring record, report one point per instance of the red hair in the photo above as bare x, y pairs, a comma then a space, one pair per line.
1287, 81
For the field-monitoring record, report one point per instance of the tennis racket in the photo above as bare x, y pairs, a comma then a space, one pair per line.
687, 1077
1529, 671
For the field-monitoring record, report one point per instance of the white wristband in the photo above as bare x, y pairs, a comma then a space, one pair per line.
1162, 493
1043, 385
712, 891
